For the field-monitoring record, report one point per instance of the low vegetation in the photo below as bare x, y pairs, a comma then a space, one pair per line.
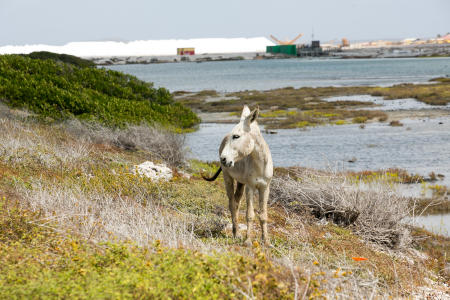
392, 175
303, 107
58, 90
64, 58
436, 203
37, 261
295, 119
75, 222
433, 94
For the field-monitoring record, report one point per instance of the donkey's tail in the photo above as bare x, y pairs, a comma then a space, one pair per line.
214, 176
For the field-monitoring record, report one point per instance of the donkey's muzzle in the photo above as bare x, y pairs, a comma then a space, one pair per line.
226, 163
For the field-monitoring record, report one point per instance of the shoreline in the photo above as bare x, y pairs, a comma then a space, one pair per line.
422, 51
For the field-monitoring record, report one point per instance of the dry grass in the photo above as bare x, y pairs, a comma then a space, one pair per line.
162, 144
33, 144
374, 211
51, 167
102, 216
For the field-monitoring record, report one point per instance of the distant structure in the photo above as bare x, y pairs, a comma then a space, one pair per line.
297, 50
345, 42
185, 51
290, 50
311, 50
443, 39
291, 42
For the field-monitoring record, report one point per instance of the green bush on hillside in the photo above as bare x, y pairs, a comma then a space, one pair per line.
60, 90
65, 58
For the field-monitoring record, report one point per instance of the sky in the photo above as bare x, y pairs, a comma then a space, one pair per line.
57, 22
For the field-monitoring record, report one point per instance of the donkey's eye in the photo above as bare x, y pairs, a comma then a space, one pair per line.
235, 137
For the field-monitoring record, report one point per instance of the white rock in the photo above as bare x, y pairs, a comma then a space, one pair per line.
153, 171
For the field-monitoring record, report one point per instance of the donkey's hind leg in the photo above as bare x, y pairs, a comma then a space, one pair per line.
238, 196
249, 194
263, 199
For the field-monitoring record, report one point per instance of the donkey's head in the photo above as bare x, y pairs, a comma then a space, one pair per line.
240, 142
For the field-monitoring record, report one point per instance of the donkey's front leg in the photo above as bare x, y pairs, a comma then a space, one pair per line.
263, 199
249, 194
229, 186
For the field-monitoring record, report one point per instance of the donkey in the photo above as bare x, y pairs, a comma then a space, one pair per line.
245, 159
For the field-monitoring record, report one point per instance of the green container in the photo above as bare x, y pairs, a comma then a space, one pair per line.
288, 49
284, 49
273, 49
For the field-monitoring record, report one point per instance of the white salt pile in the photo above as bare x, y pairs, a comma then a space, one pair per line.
148, 48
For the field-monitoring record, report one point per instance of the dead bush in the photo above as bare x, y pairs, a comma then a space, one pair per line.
161, 143
374, 212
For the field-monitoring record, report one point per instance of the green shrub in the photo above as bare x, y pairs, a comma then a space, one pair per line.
60, 90
65, 58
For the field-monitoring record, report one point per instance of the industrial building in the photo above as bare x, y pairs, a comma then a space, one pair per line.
311, 50
298, 50
185, 51
282, 49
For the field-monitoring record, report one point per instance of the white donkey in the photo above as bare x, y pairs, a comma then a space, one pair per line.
245, 158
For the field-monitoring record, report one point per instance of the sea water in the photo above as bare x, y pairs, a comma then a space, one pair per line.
231, 76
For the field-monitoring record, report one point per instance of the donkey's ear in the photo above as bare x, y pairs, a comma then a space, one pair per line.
251, 118
254, 114
245, 113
